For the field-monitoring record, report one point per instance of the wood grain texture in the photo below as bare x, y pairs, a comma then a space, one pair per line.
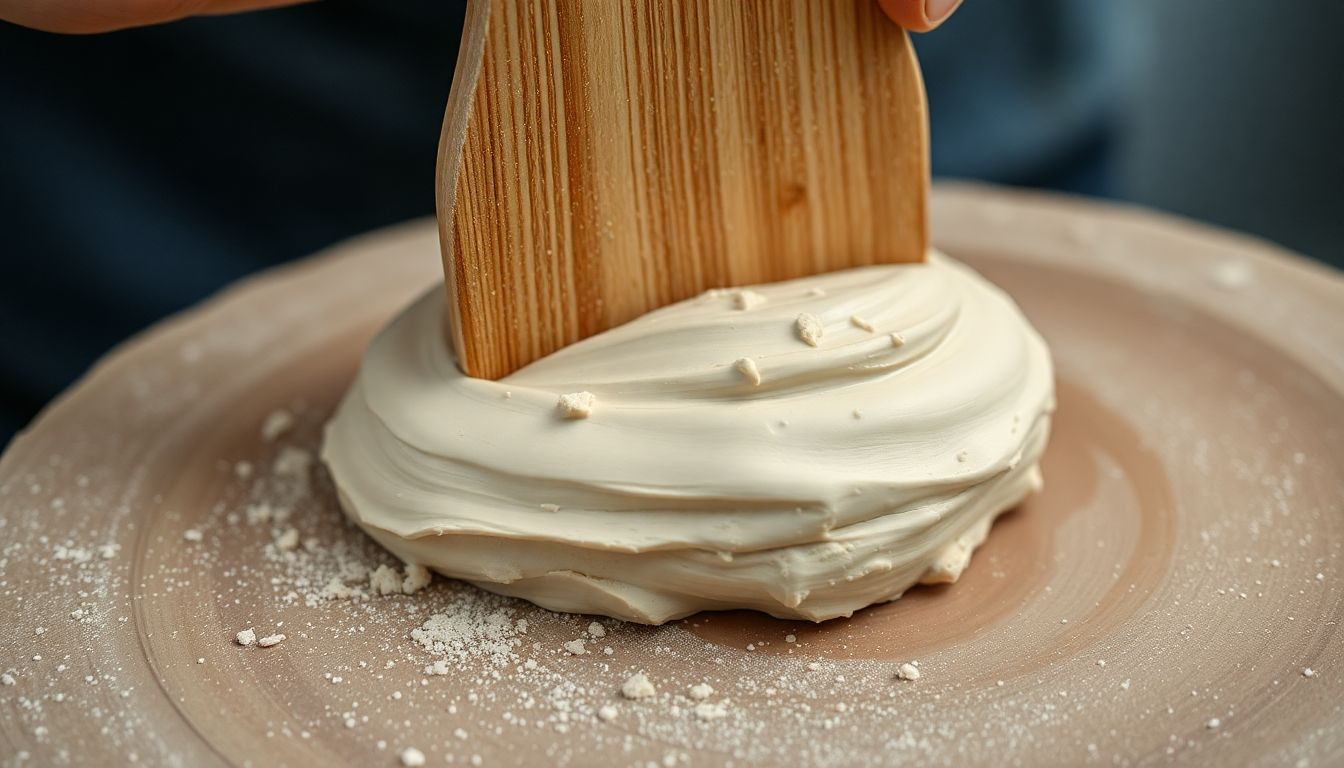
602, 159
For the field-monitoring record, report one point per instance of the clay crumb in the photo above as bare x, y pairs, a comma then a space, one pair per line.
412, 757
700, 691
746, 299
550, 507
897, 340
962, 456
710, 711
597, 630
385, 581
278, 423
860, 323
747, 367
577, 405
1214, 724
417, 578
809, 329
246, 637
816, 292
608, 713
287, 541
637, 686
575, 647
908, 671
191, 534
270, 640
1308, 672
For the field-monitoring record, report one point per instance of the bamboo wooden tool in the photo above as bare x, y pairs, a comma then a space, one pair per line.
600, 159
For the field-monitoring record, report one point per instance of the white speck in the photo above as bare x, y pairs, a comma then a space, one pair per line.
6, 679
270, 640
859, 322
243, 469
1232, 275
908, 671
1063, 621
191, 534
200, 660
710, 711
1101, 662
809, 329
278, 423
412, 757
790, 638
287, 541
700, 691
637, 686
577, 405
1214, 723
1320, 577
607, 713
747, 367
746, 299
1308, 672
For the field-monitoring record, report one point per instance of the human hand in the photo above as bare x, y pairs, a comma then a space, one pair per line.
79, 17
919, 15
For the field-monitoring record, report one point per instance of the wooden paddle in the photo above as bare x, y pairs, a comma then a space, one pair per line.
600, 159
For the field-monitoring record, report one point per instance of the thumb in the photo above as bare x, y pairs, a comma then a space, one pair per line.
919, 15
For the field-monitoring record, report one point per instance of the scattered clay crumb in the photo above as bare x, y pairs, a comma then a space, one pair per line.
270, 640
191, 534
575, 647
816, 292
608, 713
293, 462
7, 679
287, 541
550, 507
747, 367
908, 671
1101, 662
897, 340
859, 322
278, 423
809, 329
746, 299
790, 638
243, 469
246, 637
577, 405
1214, 724
417, 578
108, 551
710, 711
412, 757
700, 691
1308, 672
962, 456
595, 629
385, 581
637, 686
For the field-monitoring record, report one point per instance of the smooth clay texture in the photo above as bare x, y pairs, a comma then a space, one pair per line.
805, 448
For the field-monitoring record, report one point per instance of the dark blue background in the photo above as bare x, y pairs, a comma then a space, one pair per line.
140, 171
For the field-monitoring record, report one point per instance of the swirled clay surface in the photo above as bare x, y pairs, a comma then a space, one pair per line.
804, 448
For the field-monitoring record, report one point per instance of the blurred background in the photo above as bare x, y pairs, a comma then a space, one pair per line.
141, 171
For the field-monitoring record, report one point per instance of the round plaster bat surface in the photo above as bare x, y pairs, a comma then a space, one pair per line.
1174, 594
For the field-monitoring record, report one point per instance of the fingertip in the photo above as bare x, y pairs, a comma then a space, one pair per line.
919, 15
